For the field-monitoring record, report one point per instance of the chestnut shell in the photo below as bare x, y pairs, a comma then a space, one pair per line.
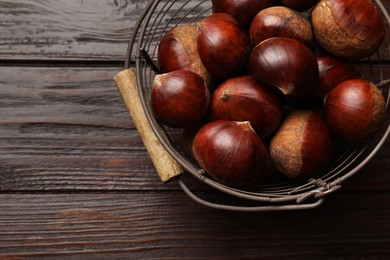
230, 152
333, 71
173, 49
178, 50
349, 29
223, 45
243, 98
286, 64
179, 98
303, 146
354, 109
280, 21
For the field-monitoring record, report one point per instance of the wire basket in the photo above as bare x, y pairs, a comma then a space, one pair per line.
271, 195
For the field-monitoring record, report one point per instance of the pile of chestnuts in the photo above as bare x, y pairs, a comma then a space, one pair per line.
263, 87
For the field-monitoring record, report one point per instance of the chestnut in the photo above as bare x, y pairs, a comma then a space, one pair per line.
349, 29
286, 64
300, 5
333, 71
179, 98
223, 45
243, 98
303, 145
230, 152
280, 21
354, 109
177, 50
242, 10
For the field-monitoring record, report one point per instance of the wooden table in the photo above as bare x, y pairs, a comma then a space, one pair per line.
76, 181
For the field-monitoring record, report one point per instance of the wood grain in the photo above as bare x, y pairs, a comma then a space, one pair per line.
67, 129
162, 225
72, 29
76, 30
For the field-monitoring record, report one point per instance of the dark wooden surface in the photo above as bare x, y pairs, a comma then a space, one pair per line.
76, 181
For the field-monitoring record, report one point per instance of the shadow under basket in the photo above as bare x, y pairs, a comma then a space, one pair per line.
272, 194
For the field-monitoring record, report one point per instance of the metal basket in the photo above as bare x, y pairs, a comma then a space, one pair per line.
275, 194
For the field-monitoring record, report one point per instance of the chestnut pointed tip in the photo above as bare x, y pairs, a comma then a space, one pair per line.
246, 125
287, 89
225, 96
157, 80
199, 25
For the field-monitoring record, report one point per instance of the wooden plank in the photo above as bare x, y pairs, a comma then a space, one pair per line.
67, 29
67, 129
169, 225
80, 30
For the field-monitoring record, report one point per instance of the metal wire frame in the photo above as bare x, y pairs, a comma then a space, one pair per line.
276, 194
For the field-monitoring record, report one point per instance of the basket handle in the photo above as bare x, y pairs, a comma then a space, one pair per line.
165, 165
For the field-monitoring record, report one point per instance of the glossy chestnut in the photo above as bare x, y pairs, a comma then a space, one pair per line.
349, 29
355, 109
223, 45
286, 64
179, 98
243, 98
333, 71
280, 21
230, 152
178, 50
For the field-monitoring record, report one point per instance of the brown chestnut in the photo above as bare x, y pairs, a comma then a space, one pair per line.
243, 98
179, 98
178, 50
333, 71
349, 29
303, 145
354, 109
242, 10
287, 64
300, 5
230, 152
280, 21
223, 45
